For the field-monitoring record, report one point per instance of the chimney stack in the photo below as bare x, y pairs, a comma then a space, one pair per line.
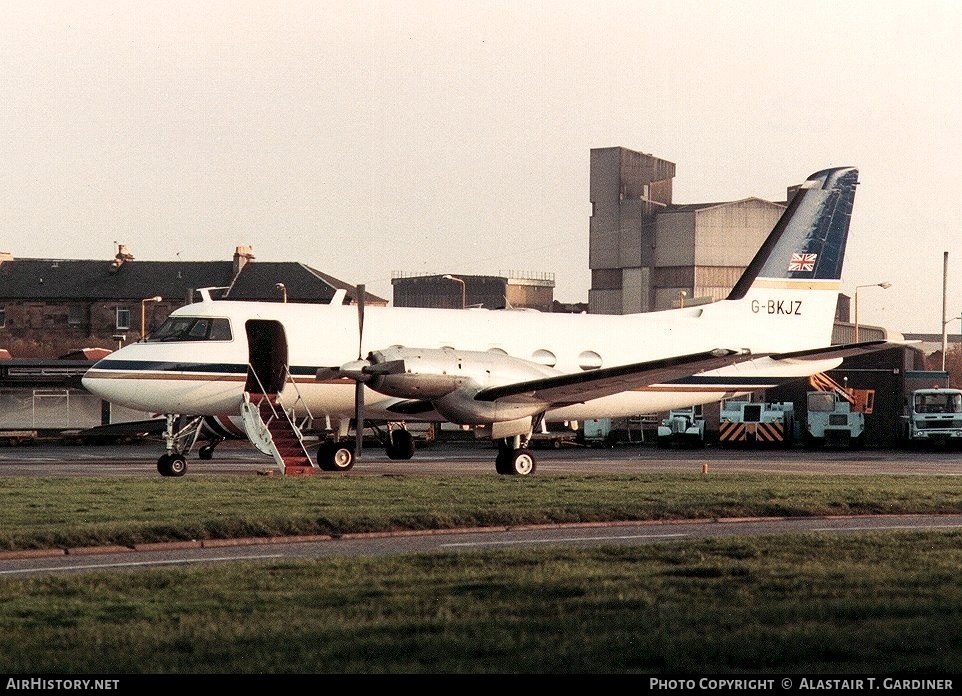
242, 255
123, 255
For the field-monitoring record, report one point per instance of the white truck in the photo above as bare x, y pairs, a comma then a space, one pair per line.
932, 416
683, 427
835, 414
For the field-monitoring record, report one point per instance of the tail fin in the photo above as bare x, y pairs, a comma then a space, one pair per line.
808, 241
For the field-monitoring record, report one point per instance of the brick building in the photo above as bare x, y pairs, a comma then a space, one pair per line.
50, 307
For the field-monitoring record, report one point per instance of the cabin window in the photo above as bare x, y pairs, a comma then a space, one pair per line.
3, 317
74, 315
545, 357
192, 329
589, 360
123, 319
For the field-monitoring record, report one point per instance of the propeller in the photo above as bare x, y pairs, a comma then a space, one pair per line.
359, 384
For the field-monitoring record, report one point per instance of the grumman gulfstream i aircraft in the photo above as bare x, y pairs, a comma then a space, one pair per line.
273, 367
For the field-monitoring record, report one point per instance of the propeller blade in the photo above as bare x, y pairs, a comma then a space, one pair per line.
358, 418
358, 384
360, 320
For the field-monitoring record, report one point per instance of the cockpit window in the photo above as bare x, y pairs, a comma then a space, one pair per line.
192, 329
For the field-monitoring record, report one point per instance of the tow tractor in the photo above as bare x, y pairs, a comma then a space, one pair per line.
835, 414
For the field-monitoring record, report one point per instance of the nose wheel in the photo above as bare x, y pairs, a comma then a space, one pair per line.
172, 464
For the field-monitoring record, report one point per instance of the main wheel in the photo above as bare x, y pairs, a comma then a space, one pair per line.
335, 456
522, 462
502, 463
400, 444
206, 452
514, 462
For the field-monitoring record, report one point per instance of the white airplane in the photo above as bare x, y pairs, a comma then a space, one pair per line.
267, 368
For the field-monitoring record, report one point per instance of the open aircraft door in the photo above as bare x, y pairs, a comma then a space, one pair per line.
267, 356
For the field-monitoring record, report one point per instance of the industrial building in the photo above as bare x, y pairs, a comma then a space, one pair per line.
513, 290
648, 253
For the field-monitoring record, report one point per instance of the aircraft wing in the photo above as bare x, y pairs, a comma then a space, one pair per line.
563, 390
840, 351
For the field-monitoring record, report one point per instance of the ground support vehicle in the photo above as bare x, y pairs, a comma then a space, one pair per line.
683, 428
932, 417
749, 423
17, 437
598, 432
835, 414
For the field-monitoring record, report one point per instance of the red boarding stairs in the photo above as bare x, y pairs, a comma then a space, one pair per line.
277, 434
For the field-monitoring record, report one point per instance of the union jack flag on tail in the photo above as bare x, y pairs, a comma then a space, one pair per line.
802, 262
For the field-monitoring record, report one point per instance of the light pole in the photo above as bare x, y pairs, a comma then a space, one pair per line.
682, 294
283, 289
944, 338
884, 286
143, 312
463, 288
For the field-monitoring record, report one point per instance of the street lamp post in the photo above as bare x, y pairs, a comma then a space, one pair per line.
682, 294
143, 313
884, 286
945, 338
283, 289
463, 288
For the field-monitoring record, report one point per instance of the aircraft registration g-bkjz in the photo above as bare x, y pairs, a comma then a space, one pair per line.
273, 367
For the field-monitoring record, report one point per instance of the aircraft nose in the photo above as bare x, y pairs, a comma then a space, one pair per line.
96, 382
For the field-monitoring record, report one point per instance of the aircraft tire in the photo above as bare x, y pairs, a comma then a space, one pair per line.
206, 452
172, 465
178, 465
335, 456
400, 444
519, 462
502, 463
522, 462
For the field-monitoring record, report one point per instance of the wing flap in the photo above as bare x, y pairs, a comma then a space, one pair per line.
845, 350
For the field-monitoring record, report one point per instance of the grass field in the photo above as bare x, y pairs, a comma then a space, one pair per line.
881, 603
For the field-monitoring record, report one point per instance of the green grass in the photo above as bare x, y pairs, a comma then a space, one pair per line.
70, 512
880, 603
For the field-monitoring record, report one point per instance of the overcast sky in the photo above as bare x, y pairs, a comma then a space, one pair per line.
365, 137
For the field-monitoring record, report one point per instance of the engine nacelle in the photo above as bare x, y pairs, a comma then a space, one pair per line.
430, 373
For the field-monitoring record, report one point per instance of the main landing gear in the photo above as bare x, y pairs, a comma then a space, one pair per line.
340, 455
514, 458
